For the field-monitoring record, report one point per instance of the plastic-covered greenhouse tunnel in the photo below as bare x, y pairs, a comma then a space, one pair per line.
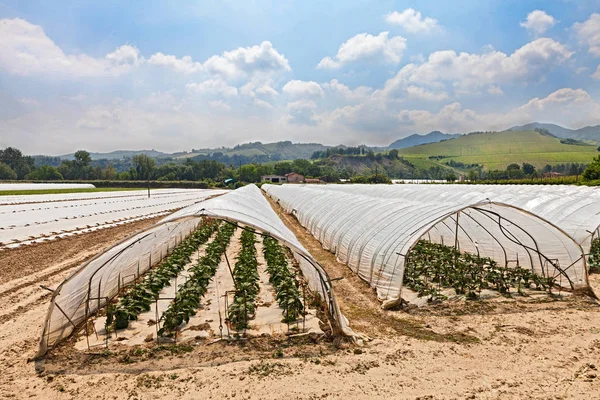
94, 284
377, 236
374, 236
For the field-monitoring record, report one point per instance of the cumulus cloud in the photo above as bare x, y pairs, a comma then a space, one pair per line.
219, 105
366, 47
243, 62
468, 72
412, 21
538, 22
596, 75
300, 89
25, 49
337, 88
302, 112
588, 33
212, 87
183, 65
257, 87
421, 93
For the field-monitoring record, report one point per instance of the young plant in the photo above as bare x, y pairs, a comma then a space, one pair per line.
187, 299
283, 280
141, 295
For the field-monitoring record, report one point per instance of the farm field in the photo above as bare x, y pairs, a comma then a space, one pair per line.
46, 216
505, 346
524, 343
498, 149
23, 192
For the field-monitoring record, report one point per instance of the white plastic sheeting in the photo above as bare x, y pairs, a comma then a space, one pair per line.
574, 209
373, 234
62, 215
44, 186
94, 283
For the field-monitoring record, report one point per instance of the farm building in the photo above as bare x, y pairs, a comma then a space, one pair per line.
294, 177
274, 178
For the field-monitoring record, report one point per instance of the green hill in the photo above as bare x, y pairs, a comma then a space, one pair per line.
285, 150
496, 150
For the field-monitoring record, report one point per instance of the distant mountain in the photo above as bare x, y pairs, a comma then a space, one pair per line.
259, 152
415, 140
119, 154
588, 133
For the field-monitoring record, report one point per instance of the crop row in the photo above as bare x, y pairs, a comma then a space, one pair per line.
141, 295
283, 280
246, 278
432, 266
187, 299
594, 258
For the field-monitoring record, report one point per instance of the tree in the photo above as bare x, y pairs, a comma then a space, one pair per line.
45, 173
82, 158
393, 154
451, 177
19, 163
528, 169
592, 172
6, 172
143, 167
472, 175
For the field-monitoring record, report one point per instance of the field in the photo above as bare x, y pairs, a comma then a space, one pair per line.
498, 149
63, 191
37, 216
539, 345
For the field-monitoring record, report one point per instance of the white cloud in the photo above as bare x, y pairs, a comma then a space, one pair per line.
420, 93
302, 112
566, 107
99, 118
366, 47
412, 21
258, 87
588, 32
596, 75
468, 72
212, 87
300, 89
336, 87
183, 65
241, 63
538, 22
25, 49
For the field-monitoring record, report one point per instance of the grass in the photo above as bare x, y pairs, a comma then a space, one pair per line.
62, 191
495, 150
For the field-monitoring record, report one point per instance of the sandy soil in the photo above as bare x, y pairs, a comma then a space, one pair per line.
501, 348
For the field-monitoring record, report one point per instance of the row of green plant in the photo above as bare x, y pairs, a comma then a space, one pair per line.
245, 276
594, 257
432, 267
283, 280
187, 299
141, 295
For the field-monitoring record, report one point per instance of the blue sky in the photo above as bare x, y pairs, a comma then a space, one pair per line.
111, 75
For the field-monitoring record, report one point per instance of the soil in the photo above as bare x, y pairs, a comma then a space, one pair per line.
505, 348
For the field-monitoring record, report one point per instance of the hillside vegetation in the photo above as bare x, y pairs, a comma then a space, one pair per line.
496, 150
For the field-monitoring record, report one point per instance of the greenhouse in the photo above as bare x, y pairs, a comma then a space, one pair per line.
373, 229
95, 283
575, 209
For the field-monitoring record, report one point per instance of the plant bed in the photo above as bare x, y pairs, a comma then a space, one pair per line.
139, 297
283, 280
187, 299
431, 268
246, 279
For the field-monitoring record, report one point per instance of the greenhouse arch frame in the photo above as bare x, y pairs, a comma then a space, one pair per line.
75, 299
373, 235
